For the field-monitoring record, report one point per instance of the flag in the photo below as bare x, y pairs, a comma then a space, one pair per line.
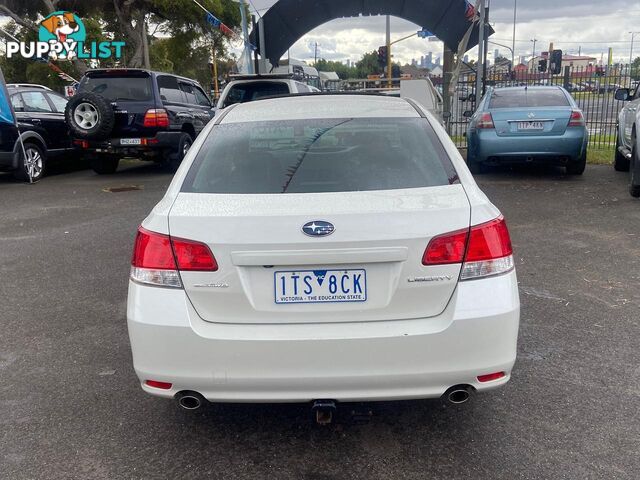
7, 115
470, 12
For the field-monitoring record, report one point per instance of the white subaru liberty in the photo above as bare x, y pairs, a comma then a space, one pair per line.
324, 247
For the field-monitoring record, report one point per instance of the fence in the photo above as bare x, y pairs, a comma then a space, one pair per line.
593, 89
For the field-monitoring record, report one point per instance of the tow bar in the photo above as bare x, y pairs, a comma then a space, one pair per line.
324, 410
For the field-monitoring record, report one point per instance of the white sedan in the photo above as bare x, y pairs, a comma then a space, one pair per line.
329, 247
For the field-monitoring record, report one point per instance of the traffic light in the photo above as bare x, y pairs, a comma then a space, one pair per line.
382, 56
555, 62
542, 65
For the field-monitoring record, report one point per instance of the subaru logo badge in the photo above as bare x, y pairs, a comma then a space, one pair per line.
318, 228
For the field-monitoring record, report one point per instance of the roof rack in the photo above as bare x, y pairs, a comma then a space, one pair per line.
28, 85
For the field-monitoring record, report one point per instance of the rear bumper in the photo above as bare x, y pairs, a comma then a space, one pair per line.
489, 147
161, 141
407, 359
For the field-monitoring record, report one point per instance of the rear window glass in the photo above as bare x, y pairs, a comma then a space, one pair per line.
341, 155
114, 88
247, 92
528, 98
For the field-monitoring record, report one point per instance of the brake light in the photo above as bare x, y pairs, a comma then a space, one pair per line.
485, 121
484, 250
157, 259
156, 117
577, 119
193, 256
446, 249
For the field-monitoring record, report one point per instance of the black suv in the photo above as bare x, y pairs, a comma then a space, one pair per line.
40, 114
132, 112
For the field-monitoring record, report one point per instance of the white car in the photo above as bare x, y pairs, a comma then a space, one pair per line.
247, 88
331, 248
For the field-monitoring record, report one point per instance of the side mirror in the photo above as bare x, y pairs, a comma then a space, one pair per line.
472, 97
623, 94
446, 115
468, 114
163, 97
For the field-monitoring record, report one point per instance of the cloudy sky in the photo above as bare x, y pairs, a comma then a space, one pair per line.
589, 25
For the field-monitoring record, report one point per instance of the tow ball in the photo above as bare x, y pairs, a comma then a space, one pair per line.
323, 411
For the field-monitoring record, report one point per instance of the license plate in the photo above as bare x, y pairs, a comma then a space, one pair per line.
530, 126
130, 141
320, 286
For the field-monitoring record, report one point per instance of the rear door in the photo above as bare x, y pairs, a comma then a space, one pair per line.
320, 222
199, 105
58, 125
37, 111
130, 93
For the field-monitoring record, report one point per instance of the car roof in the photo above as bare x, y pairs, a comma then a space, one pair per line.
138, 70
14, 89
320, 106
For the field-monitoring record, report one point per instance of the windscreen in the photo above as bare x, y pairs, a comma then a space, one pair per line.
124, 88
529, 98
250, 91
314, 156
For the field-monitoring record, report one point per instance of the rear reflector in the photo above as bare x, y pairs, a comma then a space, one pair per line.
484, 250
485, 121
156, 117
577, 119
157, 259
160, 385
491, 377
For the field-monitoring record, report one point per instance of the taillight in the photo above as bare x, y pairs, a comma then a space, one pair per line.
156, 117
157, 259
446, 249
577, 119
193, 256
484, 250
485, 121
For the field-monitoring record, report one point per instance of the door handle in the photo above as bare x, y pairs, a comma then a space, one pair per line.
36, 120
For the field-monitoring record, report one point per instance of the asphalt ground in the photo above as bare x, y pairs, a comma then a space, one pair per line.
71, 408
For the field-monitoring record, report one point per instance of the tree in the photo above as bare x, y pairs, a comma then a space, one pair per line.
343, 71
130, 21
368, 65
635, 69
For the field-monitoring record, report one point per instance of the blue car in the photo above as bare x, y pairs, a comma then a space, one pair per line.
540, 124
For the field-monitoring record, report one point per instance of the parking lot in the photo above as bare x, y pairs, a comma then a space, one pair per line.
72, 407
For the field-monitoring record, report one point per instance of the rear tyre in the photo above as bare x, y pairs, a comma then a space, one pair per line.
634, 168
620, 163
105, 165
175, 159
578, 166
32, 167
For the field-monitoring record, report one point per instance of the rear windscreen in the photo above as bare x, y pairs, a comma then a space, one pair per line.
248, 92
124, 88
528, 98
313, 156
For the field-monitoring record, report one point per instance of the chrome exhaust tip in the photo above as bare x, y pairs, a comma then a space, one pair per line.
190, 400
458, 394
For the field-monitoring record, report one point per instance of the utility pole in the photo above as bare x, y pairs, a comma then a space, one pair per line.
480, 64
389, 66
245, 37
633, 35
533, 55
315, 55
515, 18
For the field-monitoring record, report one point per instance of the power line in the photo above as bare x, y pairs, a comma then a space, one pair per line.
568, 41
